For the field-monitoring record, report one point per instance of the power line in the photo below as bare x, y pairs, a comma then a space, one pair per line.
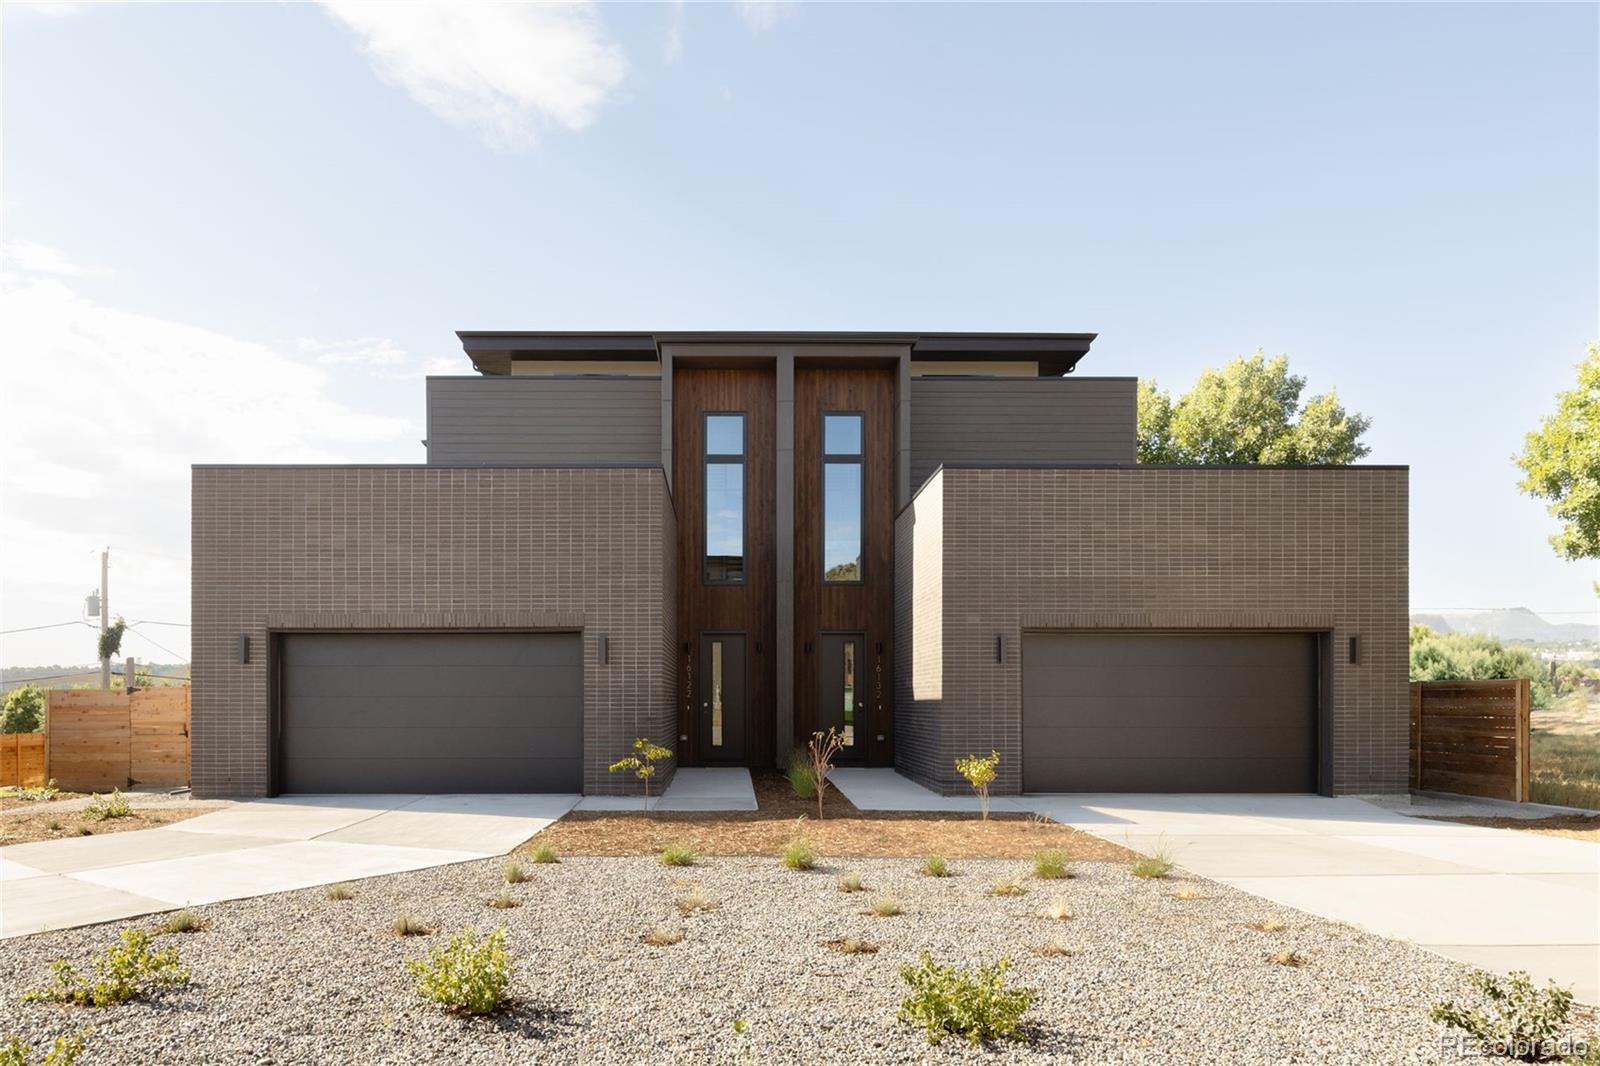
148, 638
52, 625
147, 622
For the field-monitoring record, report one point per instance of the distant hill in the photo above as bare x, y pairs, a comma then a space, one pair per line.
58, 676
1511, 623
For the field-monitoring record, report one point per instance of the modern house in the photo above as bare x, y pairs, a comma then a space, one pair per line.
939, 543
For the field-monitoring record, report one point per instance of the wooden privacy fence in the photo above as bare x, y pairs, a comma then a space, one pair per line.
22, 760
98, 740
1471, 738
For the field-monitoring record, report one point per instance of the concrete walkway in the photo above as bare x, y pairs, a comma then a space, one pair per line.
252, 849
1495, 898
693, 788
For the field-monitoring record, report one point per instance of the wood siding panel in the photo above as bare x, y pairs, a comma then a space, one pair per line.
867, 608
544, 420
749, 608
1020, 420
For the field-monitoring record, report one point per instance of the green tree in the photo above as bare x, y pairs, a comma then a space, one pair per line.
23, 711
1248, 412
1474, 657
1561, 461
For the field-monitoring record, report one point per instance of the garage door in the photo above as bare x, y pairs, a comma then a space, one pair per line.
434, 712
1157, 712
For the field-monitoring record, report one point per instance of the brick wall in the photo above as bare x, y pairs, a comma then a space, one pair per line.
420, 548
1147, 547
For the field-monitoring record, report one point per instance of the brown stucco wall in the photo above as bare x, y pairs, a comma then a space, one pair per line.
1321, 549
375, 548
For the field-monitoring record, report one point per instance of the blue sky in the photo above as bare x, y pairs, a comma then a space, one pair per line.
245, 232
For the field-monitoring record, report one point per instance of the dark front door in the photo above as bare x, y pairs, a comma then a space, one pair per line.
842, 693
722, 698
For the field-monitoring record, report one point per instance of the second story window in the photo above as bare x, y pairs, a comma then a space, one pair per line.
724, 518
842, 497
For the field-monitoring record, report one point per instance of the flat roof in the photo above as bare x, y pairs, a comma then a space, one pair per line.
492, 351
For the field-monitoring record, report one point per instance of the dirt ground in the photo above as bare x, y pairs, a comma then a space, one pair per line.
1576, 826
12, 802
843, 832
53, 825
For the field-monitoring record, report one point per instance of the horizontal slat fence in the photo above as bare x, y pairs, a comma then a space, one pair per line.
22, 760
99, 740
1471, 737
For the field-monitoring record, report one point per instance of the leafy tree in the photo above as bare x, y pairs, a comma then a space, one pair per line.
1474, 657
23, 711
1248, 412
1562, 462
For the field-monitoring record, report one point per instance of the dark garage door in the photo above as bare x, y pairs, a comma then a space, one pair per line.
431, 712
1157, 712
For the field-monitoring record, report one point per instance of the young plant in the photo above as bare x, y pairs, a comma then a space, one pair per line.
678, 855
851, 946
468, 975
54, 825
799, 774
1154, 866
642, 762
695, 901
973, 1004
1527, 1021
340, 891
127, 971
407, 924
32, 793
798, 854
935, 866
63, 1052
1008, 888
886, 906
503, 902
1187, 893
1288, 958
980, 772
850, 881
1059, 910
514, 873
182, 921
663, 936
1055, 949
113, 806
823, 749
1267, 925
542, 854
1050, 864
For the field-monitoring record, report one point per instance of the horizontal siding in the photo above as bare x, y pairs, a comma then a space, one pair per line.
1013, 420
543, 420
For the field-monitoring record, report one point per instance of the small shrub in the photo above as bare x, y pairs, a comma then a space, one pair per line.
1525, 1021
678, 855
980, 772
407, 924
798, 854
54, 825
1151, 867
113, 806
1008, 888
886, 906
1267, 925
935, 866
695, 901
851, 946
1187, 893
850, 881
514, 873
642, 762
543, 854
503, 902
32, 793
127, 971
468, 975
182, 921
799, 774
663, 936
973, 1004
1059, 910
1055, 949
85, 831
1050, 864
1288, 958
340, 891
823, 749
64, 1052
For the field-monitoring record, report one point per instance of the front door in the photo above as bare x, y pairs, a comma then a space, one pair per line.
722, 698
843, 700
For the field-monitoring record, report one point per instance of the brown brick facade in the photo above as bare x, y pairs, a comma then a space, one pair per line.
993, 552
374, 548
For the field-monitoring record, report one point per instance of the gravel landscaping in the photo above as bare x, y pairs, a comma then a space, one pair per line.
300, 978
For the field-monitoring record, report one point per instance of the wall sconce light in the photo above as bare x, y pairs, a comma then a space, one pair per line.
808, 647
758, 647
686, 647
880, 647
999, 648
605, 650
1354, 650
244, 647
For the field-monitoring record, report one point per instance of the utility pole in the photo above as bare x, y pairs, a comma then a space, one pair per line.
105, 615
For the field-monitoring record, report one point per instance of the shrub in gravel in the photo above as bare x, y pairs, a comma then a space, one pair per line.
407, 924
503, 902
54, 825
973, 1004
514, 873
63, 1052
851, 946
1527, 1022
1055, 949
1059, 910
85, 831
935, 866
469, 975
1151, 867
886, 906
340, 891
798, 854
1008, 888
128, 970
850, 881
182, 921
542, 854
1187, 893
663, 936
113, 806
1050, 864
1267, 925
1288, 958
678, 855
695, 901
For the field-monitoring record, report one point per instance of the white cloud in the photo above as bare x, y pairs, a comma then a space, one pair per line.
106, 410
672, 48
32, 259
373, 353
762, 15
504, 70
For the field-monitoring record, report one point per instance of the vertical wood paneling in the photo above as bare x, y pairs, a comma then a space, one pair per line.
867, 608
748, 608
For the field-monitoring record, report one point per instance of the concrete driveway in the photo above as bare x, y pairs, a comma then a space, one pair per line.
1499, 899
256, 848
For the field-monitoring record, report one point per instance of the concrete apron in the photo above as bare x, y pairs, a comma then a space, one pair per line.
253, 849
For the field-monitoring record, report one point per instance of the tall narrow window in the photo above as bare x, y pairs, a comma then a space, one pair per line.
716, 693
724, 519
842, 498
849, 693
